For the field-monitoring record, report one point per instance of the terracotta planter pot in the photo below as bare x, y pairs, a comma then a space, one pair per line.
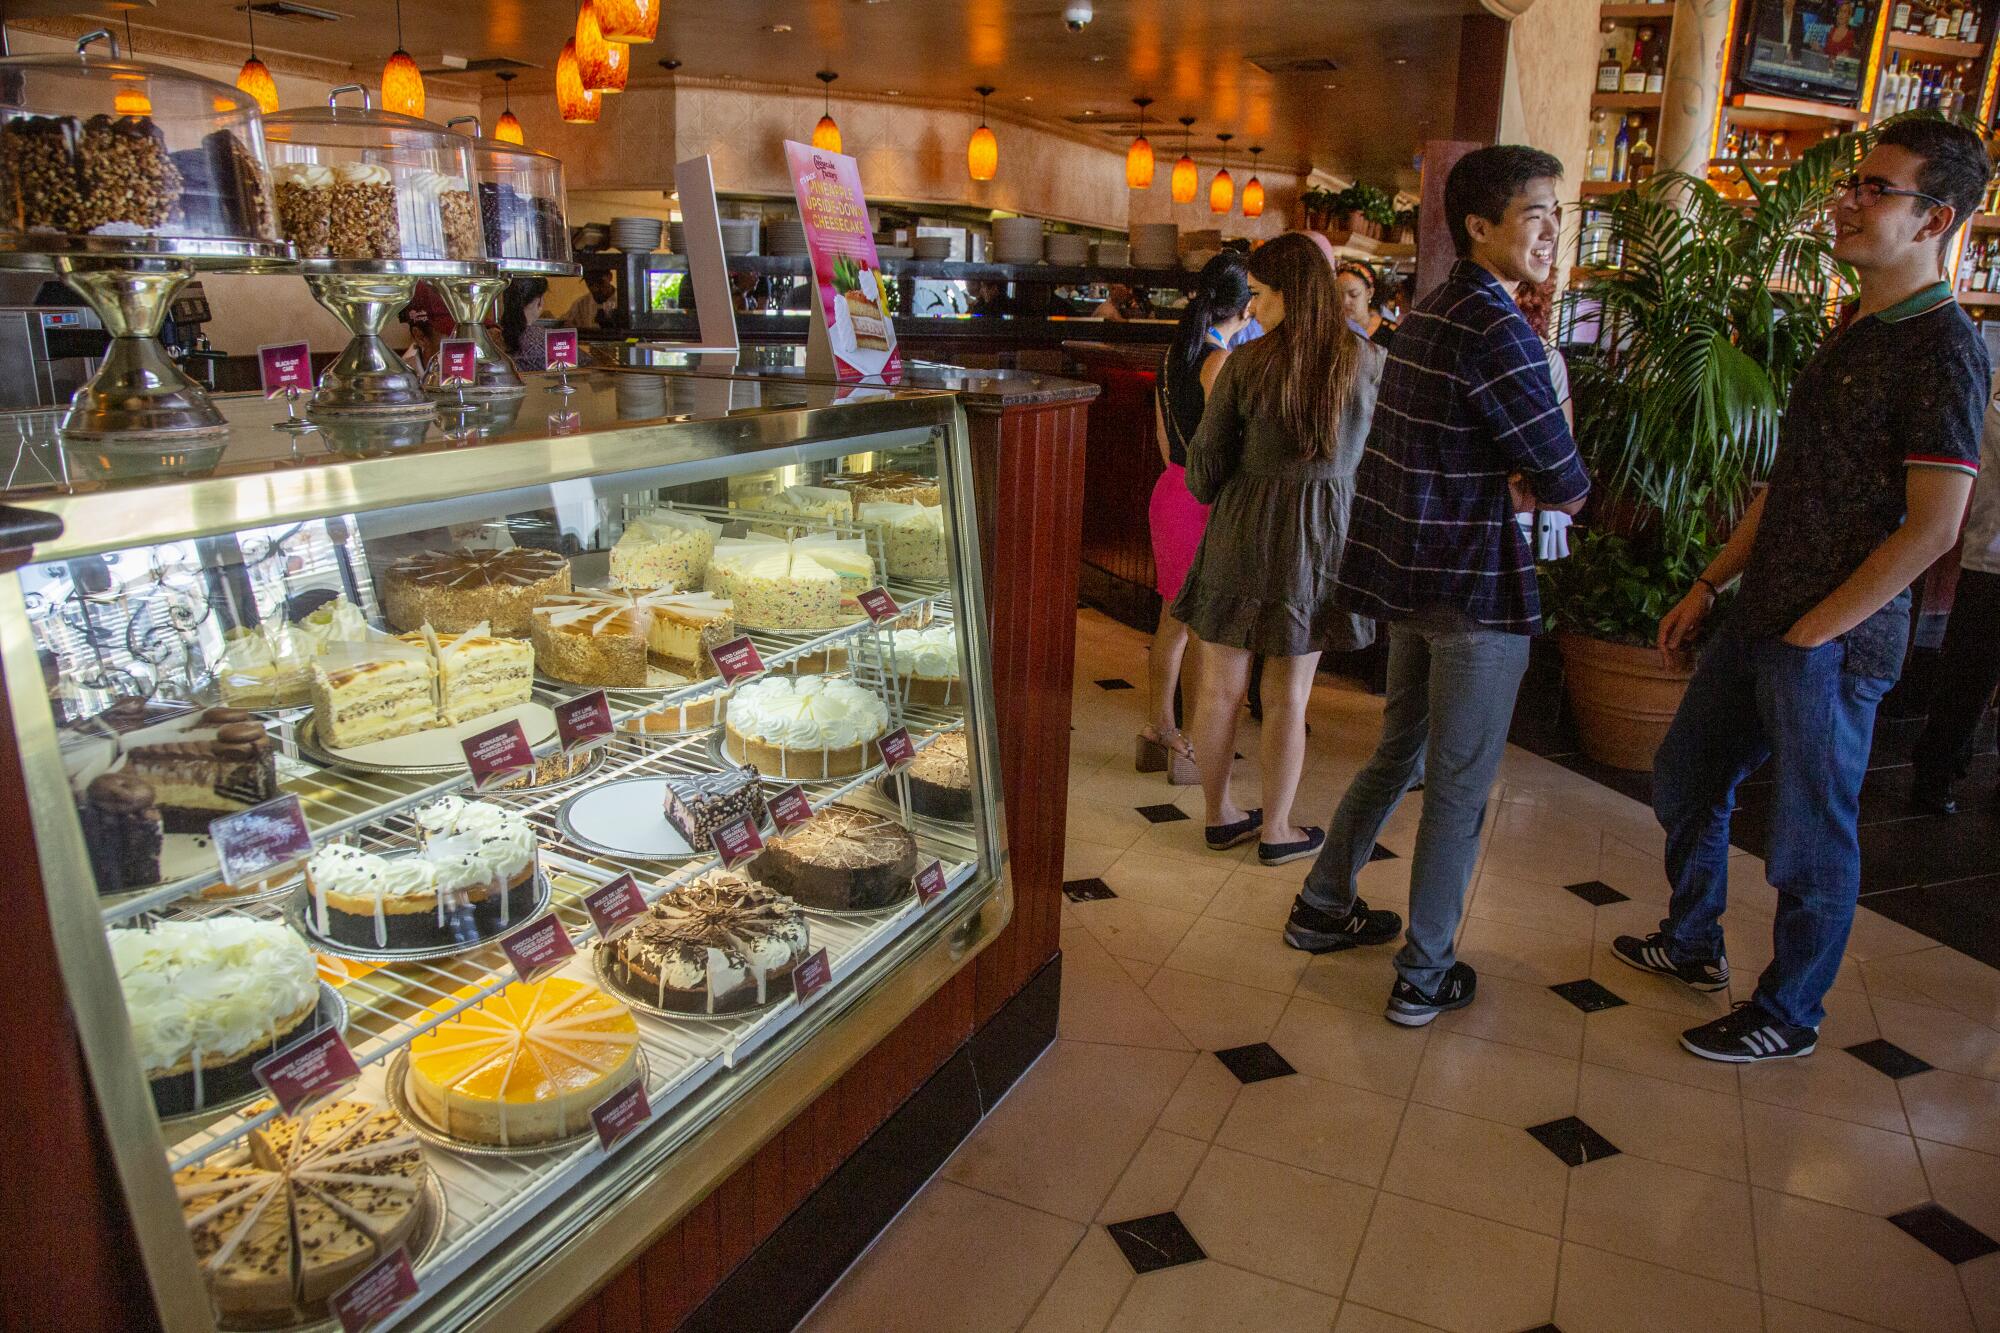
1624, 699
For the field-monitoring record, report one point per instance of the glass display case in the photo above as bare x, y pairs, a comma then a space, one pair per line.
716, 651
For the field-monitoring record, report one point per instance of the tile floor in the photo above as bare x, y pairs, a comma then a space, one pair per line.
1227, 1134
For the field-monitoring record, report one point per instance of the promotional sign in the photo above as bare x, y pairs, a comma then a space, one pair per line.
850, 324
583, 721
736, 660
387, 1286
285, 367
310, 1067
930, 881
812, 976
498, 754
538, 948
896, 749
737, 842
561, 345
257, 845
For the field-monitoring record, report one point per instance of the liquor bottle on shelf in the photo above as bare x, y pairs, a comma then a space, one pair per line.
1940, 22
1656, 70
1899, 17
1634, 78
1732, 144
1641, 155
1621, 152
1598, 162
1888, 84
1610, 74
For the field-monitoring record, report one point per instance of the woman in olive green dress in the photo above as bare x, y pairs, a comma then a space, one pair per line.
1275, 457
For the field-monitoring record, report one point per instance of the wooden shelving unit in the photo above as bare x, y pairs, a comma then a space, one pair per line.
1661, 14
1627, 101
1786, 113
1598, 189
1937, 48
1985, 222
1979, 300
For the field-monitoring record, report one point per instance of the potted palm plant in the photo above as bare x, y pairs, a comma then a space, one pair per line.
1714, 309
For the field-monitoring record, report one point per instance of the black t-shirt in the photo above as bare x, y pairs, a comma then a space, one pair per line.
1897, 389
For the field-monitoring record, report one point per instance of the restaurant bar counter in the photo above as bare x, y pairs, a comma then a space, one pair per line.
331, 620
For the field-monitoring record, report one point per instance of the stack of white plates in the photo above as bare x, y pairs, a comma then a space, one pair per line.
893, 252
1156, 245
931, 247
1068, 249
1017, 241
677, 237
637, 235
739, 236
785, 236
1113, 254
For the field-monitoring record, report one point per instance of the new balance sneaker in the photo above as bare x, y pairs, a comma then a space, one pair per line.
1412, 1008
1748, 1035
1650, 955
1318, 931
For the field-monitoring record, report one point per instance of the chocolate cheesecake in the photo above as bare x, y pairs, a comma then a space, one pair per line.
718, 945
843, 859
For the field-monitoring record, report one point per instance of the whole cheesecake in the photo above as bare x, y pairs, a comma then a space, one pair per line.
843, 859
804, 727
472, 876
526, 1065
720, 944
452, 591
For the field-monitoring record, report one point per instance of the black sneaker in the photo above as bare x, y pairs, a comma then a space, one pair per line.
1747, 1035
1318, 931
1650, 955
1412, 1008
1933, 798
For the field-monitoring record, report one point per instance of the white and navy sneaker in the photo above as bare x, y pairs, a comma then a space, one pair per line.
1317, 931
1650, 955
1748, 1035
1412, 1008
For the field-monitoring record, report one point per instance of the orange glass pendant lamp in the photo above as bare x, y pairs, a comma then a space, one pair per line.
593, 53
255, 77
1222, 190
508, 128
982, 150
1253, 190
402, 81
826, 134
577, 104
620, 56
1139, 157
633, 22
1186, 177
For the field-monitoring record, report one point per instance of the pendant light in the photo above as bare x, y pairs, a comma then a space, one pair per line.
1186, 178
255, 78
826, 134
618, 60
1139, 157
593, 53
633, 22
508, 128
1253, 190
402, 81
1222, 190
577, 104
982, 151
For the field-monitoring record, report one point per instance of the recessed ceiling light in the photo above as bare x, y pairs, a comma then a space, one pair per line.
1400, 60
1089, 112
892, 92
1027, 97
777, 29
1329, 86
1099, 58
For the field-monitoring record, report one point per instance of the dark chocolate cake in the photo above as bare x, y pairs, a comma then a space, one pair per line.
843, 859
121, 830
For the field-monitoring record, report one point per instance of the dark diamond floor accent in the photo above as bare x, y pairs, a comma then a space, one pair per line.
1946, 1234
1597, 893
1381, 853
1113, 684
1573, 1141
1254, 1064
1587, 995
1087, 890
1544, 1328
1156, 1242
1162, 814
1889, 1058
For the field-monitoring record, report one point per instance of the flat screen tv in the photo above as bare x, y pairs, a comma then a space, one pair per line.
1811, 49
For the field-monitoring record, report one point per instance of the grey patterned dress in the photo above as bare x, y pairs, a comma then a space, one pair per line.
1264, 576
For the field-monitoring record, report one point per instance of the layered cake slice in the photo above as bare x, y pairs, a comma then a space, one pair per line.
452, 591
720, 944
780, 590
473, 875
687, 628
850, 562
927, 665
121, 831
843, 859
697, 804
479, 674
913, 542
732, 554
799, 502
664, 549
200, 769
592, 636
372, 692
941, 779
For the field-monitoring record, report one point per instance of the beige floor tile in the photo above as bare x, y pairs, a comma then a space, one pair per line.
1475, 1276
1827, 1082
1107, 826
1101, 1002
1668, 1122
1849, 1021
949, 1228
1476, 1166
1647, 1041
1545, 860
1884, 983
1133, 929
1966, 1182
1343, 1046
1203, 1297
1509, 1084
1357, 979
1525, 903
1280, 1221
1610, 1293
1215, 1015
1835, 1161
1160, 1170
1791, 1317
1252, 900
1331, 1128
1952, 1108
1940, 1037
1639, 916
1946, 977
1519, 1013
1166, 881
1247, 955
1087, 1291
1141, 973
1664, 1214
1495, 948
1876, 936
1833, 1259
1981, 1279
1643, 879
1360, 1319
1087, 860
1066, 1132
1202, 1100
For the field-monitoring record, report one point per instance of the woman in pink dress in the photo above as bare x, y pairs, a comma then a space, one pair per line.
1218, 309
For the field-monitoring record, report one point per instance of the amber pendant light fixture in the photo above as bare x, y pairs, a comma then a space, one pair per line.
1139, 157
826, 134
593, 53
982, 150
402, 81
1222, 190
508, 128
577, 104
1186, 178
255, 77
1253, 190
618, 60
631, 22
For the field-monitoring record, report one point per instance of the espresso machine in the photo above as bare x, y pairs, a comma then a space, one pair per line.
47, 353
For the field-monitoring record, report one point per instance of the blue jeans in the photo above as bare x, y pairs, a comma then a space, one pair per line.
1752, 700
1450, 700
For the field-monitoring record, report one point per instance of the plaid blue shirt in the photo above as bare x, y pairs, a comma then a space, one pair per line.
1465, 400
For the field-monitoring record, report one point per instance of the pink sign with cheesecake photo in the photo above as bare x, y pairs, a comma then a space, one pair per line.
851, 293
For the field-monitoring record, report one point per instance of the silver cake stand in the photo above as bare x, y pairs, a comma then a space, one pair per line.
368, 380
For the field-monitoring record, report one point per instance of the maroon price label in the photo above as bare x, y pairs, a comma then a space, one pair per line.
790, 808
896, 748
388, 1285
738, 842
621, 1113
615, 907
561, 344
310, 1067
737, 660
258, 845
458, 361
538, 948
812, 976
879, 605
283, 366
565, 423
930, 881
584, 721
498, 754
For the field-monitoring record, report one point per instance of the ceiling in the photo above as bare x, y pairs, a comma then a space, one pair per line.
1392, 85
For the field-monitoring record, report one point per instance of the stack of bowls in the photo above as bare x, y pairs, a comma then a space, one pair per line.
1068, 249
1156, 245
1017, 241
785, 236
1112, 254
635, 235
739, 236
677, 237
931, 247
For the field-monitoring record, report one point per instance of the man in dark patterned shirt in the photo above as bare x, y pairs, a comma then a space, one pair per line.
1877, 455
1467, 430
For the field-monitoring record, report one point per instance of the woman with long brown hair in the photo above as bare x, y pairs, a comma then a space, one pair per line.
1275, 457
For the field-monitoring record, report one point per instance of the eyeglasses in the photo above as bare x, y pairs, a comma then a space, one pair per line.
1869, 193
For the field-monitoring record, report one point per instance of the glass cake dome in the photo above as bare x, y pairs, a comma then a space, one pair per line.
521, 206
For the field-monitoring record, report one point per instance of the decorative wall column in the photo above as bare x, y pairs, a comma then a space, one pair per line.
1694, 85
